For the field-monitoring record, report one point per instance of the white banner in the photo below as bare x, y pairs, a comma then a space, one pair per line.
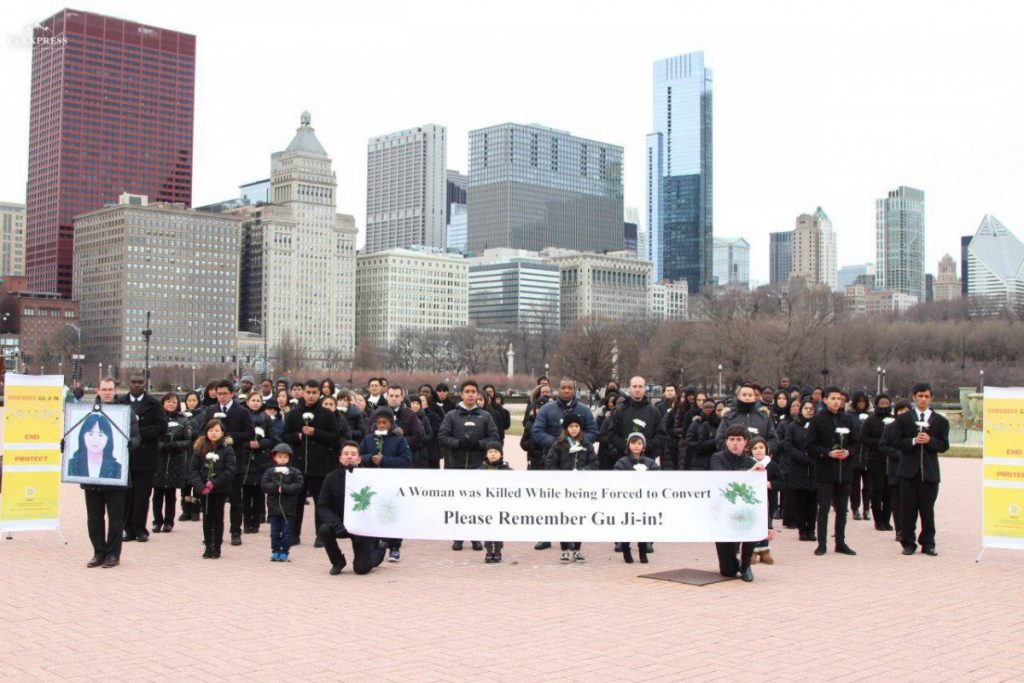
556, 505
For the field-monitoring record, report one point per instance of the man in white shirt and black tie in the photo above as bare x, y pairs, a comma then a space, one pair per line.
922, 435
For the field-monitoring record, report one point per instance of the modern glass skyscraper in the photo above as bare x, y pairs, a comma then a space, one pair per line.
532, 187
112, 110
899, 242
679, 172
780, 254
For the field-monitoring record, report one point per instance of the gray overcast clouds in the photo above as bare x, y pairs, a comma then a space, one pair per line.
816, 103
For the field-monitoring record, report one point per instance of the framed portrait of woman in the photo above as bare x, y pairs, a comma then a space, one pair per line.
96, 448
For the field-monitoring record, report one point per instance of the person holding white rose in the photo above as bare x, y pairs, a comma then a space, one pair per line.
573, 451
635, 414
213, 471
860, 488
238, 432
745, 413
891, 453
870, 438
282, 484
255, 459
635, 460
833, 434
172, 464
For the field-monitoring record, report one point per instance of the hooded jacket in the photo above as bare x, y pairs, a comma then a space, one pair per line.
282, 489
562, 456
547, 428
797, 464
871, 434
464, 435
174, 462
699, 444
220, 470
393, 447
859, 454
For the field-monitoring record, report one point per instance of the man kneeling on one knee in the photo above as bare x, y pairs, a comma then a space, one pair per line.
367, 552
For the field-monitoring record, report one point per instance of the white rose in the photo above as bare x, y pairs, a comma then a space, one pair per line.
888, 420
640, 467
640, 423
922, 424
307, 416
242, 397
219, 416
863, 416
842, 430
187, 413
380, 432
259, 432
753, 430
212, 456
172, 424
282, 470
469, 424
575, 448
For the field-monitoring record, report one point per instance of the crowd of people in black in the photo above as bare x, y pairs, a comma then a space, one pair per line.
267, 451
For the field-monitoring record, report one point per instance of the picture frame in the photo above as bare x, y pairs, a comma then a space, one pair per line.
96, 444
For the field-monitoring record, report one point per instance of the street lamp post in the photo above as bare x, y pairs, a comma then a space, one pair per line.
78, 349
878, 380
883, 379
60, 370
981, 380
147, 333
99, 375
193, 378
720, 389
824, 366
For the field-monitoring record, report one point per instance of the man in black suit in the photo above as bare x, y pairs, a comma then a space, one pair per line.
238, 427
921, 434
829, 444
142, 459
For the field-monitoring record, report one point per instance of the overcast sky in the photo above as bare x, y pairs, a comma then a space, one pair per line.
816, 103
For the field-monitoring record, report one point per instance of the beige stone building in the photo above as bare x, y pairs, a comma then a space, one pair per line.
947, 284
608, 285
12, 239
670, 300
398, 290
814, 250
177, 263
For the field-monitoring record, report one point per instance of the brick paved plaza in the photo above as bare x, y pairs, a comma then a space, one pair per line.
440, 615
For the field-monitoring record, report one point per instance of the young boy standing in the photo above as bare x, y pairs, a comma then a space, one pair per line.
494, 459
636, 460
282, 483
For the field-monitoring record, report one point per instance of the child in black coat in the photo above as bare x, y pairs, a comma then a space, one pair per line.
282, 484
759, 450
494, 460
635, 460
213, 470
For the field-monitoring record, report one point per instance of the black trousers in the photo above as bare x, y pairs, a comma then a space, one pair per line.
164, 501
492, 546
252, 506
801, 505
728, 565
367, 552
897, 508
235, 499
311, 486
861, 485
109, 502
213, 518
137, 505
881, 497
186, 507
571, 545
835, 496
917, 498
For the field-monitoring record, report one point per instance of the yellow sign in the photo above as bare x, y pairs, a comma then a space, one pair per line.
1003, 468
33, 425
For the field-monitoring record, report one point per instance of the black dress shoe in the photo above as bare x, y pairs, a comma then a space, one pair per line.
216, 552
542, 545
811, 536
746, 574
184, 517
157, 528
845, 550
208, 553
195, 517
456, 545
111, 561
127, 537
856, 515
168, 528
318, 543
236, 539
143, 537
930, 551
909, 549
336, 569
477, 545
96, 561
820, 550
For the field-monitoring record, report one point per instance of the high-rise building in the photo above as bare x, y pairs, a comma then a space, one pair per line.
177, 263
731, 262
780, 254
455, 193
513, 289
457, 226
899, 242
406, 189
532, 187
298, 257
814, 250
965, 243
112, 111
947, 284
670, 300
613, 285
415, 288
255, 192
859, 274
12, 239
632, 234
995, 263
680, 214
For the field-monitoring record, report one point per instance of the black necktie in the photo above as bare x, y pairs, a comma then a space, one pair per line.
922, 417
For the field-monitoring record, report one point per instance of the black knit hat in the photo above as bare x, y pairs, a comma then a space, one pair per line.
570, 418
496, 446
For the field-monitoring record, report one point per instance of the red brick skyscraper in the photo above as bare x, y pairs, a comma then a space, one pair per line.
112, 110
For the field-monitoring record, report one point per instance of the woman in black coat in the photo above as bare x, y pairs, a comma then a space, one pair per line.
801, 499
255, 461
172, 464
502, 419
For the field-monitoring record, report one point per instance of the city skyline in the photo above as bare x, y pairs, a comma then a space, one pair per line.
868, 132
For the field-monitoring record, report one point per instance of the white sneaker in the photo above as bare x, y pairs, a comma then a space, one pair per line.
565, 556
578, 556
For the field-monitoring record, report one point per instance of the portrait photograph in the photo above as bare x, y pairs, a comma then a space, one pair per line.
95, 448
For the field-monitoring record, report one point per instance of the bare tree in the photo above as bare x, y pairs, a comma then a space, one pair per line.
367, 356
586, 352
290, 354
333, 357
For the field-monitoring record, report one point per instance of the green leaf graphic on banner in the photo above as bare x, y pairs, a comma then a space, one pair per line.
738, 490
362, 499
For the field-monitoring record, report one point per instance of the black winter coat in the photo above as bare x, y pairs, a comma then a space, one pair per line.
797, 464
152, 421
331, 501
628, 462
220, 471
749, 417
255, 460
316, 455
237, 425
871, 436
282, 489
700, 444
635, 416
175, 455
887, 447
464, 436
724, 460
823, 438
920, 462
560, 457
355, 424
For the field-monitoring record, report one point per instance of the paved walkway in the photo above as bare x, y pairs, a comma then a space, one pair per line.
440, 615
